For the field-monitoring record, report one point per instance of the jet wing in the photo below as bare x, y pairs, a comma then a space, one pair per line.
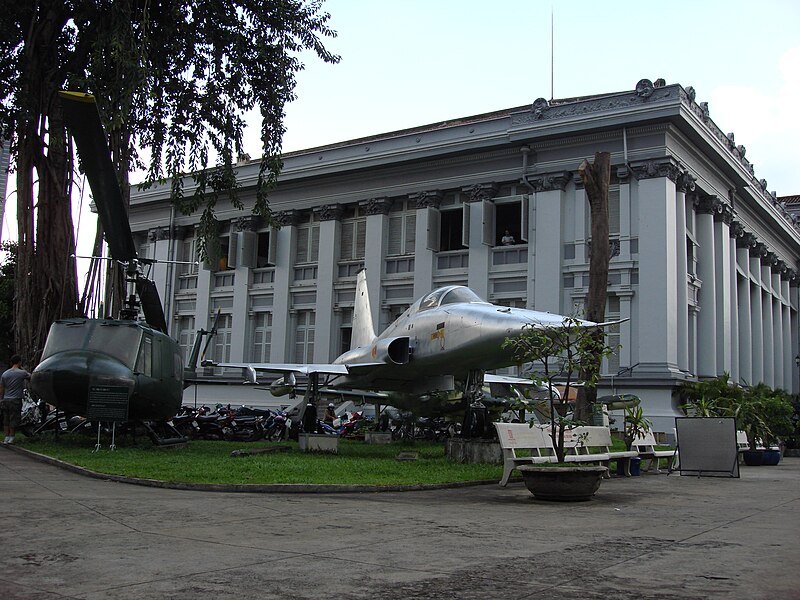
299, 369
489, 378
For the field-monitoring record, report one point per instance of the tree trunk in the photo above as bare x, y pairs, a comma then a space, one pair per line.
45, 282
596, 178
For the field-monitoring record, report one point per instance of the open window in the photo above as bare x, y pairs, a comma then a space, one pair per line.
448, 229
510, 226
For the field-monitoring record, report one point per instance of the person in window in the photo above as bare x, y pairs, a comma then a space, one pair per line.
507, 239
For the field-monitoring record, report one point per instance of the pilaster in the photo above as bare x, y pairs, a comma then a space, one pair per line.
705, 209
423, 255
377, 211
547, 247
286, 236
329, 235
657, 341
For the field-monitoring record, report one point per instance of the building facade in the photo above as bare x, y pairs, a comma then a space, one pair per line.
703, 258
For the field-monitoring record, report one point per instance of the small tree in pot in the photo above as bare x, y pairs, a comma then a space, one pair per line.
558, 354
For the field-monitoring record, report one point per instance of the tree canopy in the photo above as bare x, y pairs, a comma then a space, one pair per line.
172, 77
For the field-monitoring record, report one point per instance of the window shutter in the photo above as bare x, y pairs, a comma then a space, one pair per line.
434, 229
466, 209
361, 239
523, 218
613, 211
411, 233
395, 240
487, 209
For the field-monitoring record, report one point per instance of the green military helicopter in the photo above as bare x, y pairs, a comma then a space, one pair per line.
108, 369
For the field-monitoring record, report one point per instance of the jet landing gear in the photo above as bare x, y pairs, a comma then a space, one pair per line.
476, 424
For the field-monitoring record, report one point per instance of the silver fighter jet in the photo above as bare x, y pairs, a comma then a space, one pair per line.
443, 343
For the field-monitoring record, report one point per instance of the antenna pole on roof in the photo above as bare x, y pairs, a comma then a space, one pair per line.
552, 52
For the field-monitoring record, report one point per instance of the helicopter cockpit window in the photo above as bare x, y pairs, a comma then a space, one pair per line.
144, 363
121, 342
459, 295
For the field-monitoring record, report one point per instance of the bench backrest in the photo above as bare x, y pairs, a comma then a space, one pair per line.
644, 442
579, 440
521, 435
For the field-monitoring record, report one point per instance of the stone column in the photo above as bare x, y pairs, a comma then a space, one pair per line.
241, 285
786, 328
733, 283
723, 272
658, 321
377, 211
705, 208
744, 241
546, 249
684, 183
424, 256
327, 264
766, 311
756, 315
284, 265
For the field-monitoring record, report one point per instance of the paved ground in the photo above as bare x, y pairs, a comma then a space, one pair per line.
63, 535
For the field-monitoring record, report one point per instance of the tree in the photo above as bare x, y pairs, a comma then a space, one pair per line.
596, 178
558, 355
173, 77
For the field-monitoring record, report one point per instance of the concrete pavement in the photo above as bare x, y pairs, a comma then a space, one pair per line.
63, 535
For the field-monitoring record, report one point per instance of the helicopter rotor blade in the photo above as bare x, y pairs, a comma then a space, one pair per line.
151, 304
83, 120
211, 334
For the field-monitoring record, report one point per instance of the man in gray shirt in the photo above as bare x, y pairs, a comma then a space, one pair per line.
12, 386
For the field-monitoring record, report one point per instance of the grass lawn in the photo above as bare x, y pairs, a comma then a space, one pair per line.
211, 462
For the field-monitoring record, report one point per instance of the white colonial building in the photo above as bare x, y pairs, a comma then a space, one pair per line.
704, 258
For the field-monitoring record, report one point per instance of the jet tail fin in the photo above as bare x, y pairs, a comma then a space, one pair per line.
363, 328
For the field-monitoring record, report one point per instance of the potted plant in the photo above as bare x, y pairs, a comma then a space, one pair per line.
778, 417
556, 355
636, 425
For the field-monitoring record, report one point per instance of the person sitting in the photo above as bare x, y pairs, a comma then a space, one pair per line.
330, 415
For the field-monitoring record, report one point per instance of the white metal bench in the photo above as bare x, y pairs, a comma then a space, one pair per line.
521, 437
645, 446
595, 442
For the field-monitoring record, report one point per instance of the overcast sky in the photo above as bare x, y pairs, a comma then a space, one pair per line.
413, 62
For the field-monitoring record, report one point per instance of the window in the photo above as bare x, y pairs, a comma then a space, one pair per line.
613, 334
185, 334
307, 243
261, 336
144, 363
188, 250
402, 231
222, 341
510, 216
451, 229
304, 337
264, 249
224, 252
354, 238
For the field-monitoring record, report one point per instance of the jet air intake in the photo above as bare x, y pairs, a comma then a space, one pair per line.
391, 351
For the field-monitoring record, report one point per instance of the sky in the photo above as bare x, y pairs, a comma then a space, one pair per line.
407, 63
414, 62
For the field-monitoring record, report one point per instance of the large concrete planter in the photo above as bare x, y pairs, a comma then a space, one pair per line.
378, 437
318, 442
473, 451
562, 484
